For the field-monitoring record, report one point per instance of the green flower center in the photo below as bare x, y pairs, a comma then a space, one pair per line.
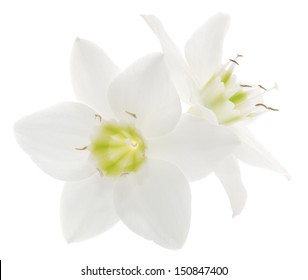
230, 100
118, 149
225, 98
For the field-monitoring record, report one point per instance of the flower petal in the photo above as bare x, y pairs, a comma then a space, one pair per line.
203, 50
87, 208
178, 69
92, 72
252, 152
144, 94
51, 137
195, 146
229, 174
203, 112
155, 203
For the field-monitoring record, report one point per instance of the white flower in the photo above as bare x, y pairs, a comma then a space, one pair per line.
217, 95
125, 153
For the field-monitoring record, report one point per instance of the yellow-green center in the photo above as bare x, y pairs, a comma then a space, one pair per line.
215, 96
118, 149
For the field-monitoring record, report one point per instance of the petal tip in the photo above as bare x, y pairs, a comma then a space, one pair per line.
146, 17
78, 40
174, 244
235, 214
70, 237
238, 210
67, 238
222, 16
288, 176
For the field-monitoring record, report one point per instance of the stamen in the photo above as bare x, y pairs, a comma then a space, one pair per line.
131, 114
125, 173
275, 86
81, 149
234, 61
98, 116
245, 85
260, 86
266, 107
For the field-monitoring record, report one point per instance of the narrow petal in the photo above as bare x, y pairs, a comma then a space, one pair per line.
144, 94
51, 137
92, 72
178, 69
195, 146
203, 50
87, 208
155, 203
252, 152
229, 174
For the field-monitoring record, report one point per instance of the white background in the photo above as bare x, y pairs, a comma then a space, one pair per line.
269, 240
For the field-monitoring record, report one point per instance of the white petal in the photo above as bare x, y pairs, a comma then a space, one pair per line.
203, 50
203, 112
92, 72
195, 146
229, 174
178, 69
51, 136
87, 208
146, 90
155, 203
252, 152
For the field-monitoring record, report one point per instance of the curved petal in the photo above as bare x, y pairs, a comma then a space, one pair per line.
92, 72
195, 146
203, 50
51, 137
144, 94
252, 152
87, 208
229, 174
155, 203
178, 69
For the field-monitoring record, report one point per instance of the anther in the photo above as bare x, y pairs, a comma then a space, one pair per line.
234, 61
245, 85
260, 86
98, 116
125, 173
131, 114
266, 107
81, 149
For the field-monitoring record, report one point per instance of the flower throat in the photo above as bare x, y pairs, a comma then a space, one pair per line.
118, 149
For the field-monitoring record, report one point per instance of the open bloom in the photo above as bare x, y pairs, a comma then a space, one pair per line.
217, 95
127, 154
